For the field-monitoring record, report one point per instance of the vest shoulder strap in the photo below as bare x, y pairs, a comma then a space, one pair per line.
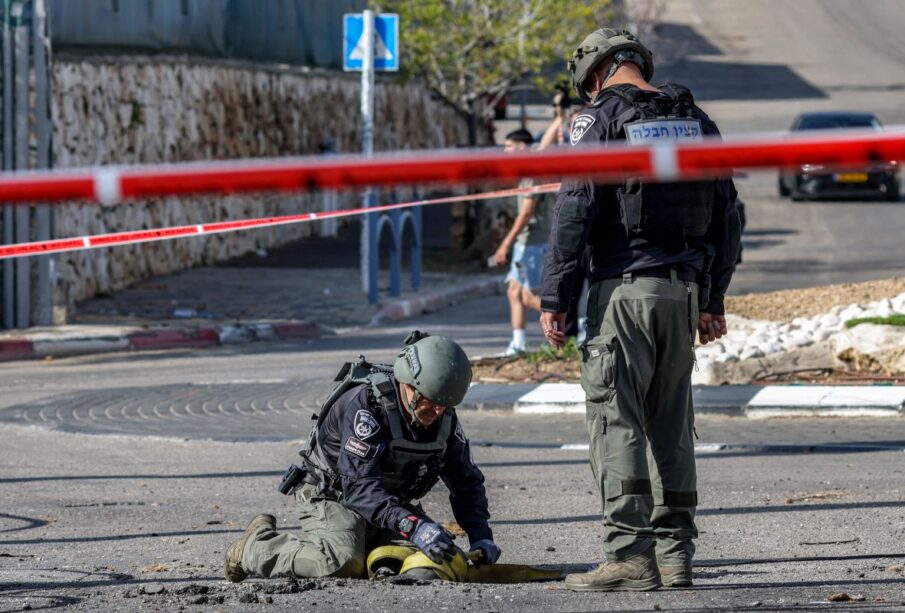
384, 392
353, 374
676, 91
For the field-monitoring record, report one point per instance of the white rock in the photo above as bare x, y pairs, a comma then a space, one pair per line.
829, 321
793, 341
851, 312
758, 339
753, 352
898, 303
823, 334
883, 309
733, 348
809, 326
774, 347
870, 339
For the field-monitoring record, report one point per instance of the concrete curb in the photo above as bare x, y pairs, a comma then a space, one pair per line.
155, 338
434, 301
828, 401
750, 401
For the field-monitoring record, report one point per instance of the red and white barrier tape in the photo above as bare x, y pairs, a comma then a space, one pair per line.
147, 236
665, 162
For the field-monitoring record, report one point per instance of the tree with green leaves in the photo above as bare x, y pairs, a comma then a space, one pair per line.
469, 53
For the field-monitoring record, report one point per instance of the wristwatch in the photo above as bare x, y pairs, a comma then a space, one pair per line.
407, 525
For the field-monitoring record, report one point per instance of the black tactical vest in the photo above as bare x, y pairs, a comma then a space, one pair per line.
410, 468
664, 214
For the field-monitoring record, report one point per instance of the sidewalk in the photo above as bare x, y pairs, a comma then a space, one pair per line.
220, 306
304, 290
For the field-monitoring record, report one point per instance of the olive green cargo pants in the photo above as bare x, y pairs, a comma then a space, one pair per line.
333, 541
636, 374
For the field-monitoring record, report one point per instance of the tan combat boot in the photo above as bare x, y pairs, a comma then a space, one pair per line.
638, 573
232, 565
678, 575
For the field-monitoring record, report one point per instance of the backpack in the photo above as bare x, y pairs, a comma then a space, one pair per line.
665, 214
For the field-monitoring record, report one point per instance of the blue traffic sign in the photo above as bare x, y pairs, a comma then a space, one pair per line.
386, 42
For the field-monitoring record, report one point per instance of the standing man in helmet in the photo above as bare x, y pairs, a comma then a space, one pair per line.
383, 439
662, 255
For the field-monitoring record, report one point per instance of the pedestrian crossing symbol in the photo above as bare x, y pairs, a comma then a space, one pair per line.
386, 42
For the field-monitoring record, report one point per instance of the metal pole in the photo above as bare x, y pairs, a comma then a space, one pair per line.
395, 219
367, 147
23, 213
416, 247
43, 310
367, 86
9, 312
329, 201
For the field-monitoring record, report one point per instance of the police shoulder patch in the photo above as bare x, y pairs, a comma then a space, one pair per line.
357, 447
366, 425
580, 125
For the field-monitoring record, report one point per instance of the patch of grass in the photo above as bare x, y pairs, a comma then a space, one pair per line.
546, 353
893, 320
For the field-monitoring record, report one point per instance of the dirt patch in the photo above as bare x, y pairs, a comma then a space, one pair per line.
862, 371
831, 376
527, 370
786, 305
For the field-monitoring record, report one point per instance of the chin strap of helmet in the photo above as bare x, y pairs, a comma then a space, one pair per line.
410, 409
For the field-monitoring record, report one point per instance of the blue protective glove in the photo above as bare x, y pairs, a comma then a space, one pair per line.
490, 552
432, 539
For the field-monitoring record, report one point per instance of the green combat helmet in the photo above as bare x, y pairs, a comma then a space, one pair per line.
601, 45
435, 366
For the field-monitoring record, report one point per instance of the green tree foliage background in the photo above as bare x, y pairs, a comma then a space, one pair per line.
470, 52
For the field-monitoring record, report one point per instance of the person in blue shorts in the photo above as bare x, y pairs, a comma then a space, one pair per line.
527, 242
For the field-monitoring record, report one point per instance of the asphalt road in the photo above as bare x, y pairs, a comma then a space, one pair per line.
756, 65
804, 244
95, 522
106, 523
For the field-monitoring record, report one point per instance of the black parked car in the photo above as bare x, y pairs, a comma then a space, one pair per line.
812, 181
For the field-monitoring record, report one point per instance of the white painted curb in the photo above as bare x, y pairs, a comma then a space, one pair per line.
701, 449
78, 346
552, 398
769, 402
826, 401
718, 448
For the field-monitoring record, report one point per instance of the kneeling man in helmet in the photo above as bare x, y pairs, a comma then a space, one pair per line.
384, 437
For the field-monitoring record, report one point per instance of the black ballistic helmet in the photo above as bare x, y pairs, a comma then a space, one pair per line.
601, 45
436, 367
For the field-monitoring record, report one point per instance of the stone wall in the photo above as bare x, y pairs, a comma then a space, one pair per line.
133, 111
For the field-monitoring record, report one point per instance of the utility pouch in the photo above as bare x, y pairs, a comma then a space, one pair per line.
292, 478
